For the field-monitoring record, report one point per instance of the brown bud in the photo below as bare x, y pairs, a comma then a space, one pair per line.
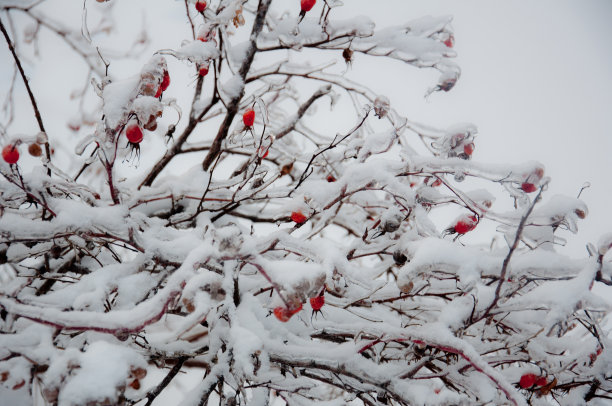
347, 54
189, 306
139, 373
135, 384
286, 169
406, 288
35, 150
399, 258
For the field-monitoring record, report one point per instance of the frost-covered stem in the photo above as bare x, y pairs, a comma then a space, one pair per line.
41, 126
277, 288
302, 110
232, 108
86, 164
178, 199
176, 147
154, 393
21, 185
598, 273
335, 142
190, 20
517, 238
338, 368
64, 34
111, 185
462, 354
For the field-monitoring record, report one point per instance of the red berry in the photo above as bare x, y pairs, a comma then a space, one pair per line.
528, 187
541, 381
468, 149
10, 154
527, 381
248, 118
200, 6
165, 81
284, 314
263, 152
317, 302
450, 41
159, 92
465, 224
135, 384
298, 217
133, 133
436, 183
203, 70
330, 178
307, 5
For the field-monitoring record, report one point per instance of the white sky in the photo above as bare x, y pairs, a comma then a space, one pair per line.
536, 80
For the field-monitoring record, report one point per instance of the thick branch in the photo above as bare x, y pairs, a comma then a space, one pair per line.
176, 148
233, 105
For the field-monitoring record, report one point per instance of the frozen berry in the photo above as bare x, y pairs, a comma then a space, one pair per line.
200, 6
165, 81
10, 154
450, 41
317, 302
464, 224
528, 187
307, 5
203, 70
298, 217
527, 380
284, 314
134, 133
248, 118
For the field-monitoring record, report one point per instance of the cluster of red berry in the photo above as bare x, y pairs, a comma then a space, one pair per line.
529, 380
284, 314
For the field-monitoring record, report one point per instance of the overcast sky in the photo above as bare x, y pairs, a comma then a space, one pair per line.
536, 80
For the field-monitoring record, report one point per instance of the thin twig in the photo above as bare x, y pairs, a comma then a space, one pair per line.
154, 393
41, 126
232, 109
517, 238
